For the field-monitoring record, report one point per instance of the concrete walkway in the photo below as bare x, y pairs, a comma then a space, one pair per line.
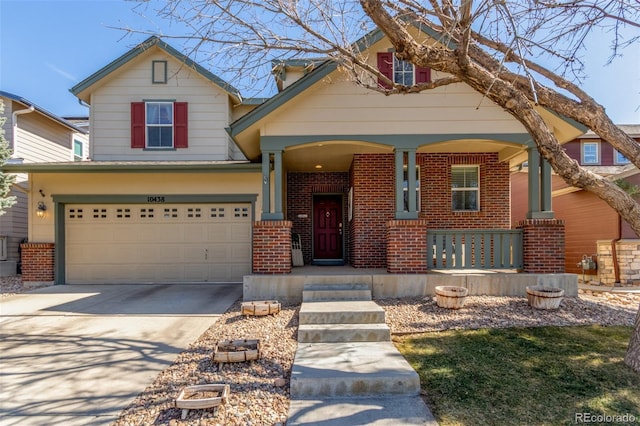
346, 370
78, 355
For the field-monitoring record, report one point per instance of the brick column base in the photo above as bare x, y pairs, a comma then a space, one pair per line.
272, 247
407, 246
37, 263
543, 245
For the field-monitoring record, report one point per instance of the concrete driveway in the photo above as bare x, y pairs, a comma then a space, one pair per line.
79, 354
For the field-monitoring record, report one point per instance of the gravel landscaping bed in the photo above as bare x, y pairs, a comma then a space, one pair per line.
260, 389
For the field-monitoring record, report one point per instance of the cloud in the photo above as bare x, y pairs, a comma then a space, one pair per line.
61, 72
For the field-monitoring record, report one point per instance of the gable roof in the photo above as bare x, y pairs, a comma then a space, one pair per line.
320, 70
142, 48
282, 97
43, 111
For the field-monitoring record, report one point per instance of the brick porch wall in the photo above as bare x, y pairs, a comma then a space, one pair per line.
543, 245
407, 246
272, 247
372, 178
38, 262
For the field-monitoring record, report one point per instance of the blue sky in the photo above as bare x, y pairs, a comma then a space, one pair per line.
48, 46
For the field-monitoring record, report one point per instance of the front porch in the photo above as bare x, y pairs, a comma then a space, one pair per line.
500, 282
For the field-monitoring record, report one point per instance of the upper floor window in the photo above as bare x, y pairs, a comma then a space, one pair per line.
465, 188
618, 158
590, 153
400, 72
159, 124
78, 150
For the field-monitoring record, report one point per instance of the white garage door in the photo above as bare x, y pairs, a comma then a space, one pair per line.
168, 243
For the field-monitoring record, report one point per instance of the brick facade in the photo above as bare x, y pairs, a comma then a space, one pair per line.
372, 179
272, 247
373, 238
543, 245
301, 187
407, 246
38, 262
435, 192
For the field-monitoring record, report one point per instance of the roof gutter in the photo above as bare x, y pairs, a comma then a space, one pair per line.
14, 122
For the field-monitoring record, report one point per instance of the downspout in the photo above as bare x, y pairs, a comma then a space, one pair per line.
14, 122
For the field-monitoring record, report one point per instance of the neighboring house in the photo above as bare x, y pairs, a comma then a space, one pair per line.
188, 182
593, 229
35, 136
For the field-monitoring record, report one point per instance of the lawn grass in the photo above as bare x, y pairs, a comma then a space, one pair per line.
537, 376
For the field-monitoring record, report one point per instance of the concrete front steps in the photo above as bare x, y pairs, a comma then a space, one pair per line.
346, 370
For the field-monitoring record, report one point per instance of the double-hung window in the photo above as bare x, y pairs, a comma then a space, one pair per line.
590, 153
159, 125
465, 188
159, 119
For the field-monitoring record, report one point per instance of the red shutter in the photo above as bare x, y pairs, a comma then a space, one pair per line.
138, 125
423, 75
385, 66
180, 115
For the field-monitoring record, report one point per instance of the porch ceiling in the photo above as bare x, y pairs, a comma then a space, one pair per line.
331, 156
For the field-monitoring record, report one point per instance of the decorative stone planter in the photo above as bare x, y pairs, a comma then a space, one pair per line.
236, 351
451, 297
199, 397
261, 307
541, 297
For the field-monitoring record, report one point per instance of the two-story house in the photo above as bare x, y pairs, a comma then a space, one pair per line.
35, 135
594, 231
188, 182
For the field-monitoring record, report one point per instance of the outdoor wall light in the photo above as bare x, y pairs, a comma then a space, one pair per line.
42, 209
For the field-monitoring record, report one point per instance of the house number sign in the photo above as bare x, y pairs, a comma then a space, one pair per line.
155, 199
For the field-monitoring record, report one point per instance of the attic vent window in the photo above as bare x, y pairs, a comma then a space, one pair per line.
159, 72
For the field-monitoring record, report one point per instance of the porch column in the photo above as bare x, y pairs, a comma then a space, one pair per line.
539, 187
534, 182
412, 212
266, 184
277, 171
272, 247
545, 187
267, 214
407, 246
543, 246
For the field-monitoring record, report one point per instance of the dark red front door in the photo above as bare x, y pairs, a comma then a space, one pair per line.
327, 227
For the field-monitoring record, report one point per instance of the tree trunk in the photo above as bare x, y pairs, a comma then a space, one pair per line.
632, 359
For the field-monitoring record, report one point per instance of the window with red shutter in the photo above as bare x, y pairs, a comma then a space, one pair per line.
152, 128
396, 71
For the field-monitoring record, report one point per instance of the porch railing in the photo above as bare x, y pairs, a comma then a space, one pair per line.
474, 249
